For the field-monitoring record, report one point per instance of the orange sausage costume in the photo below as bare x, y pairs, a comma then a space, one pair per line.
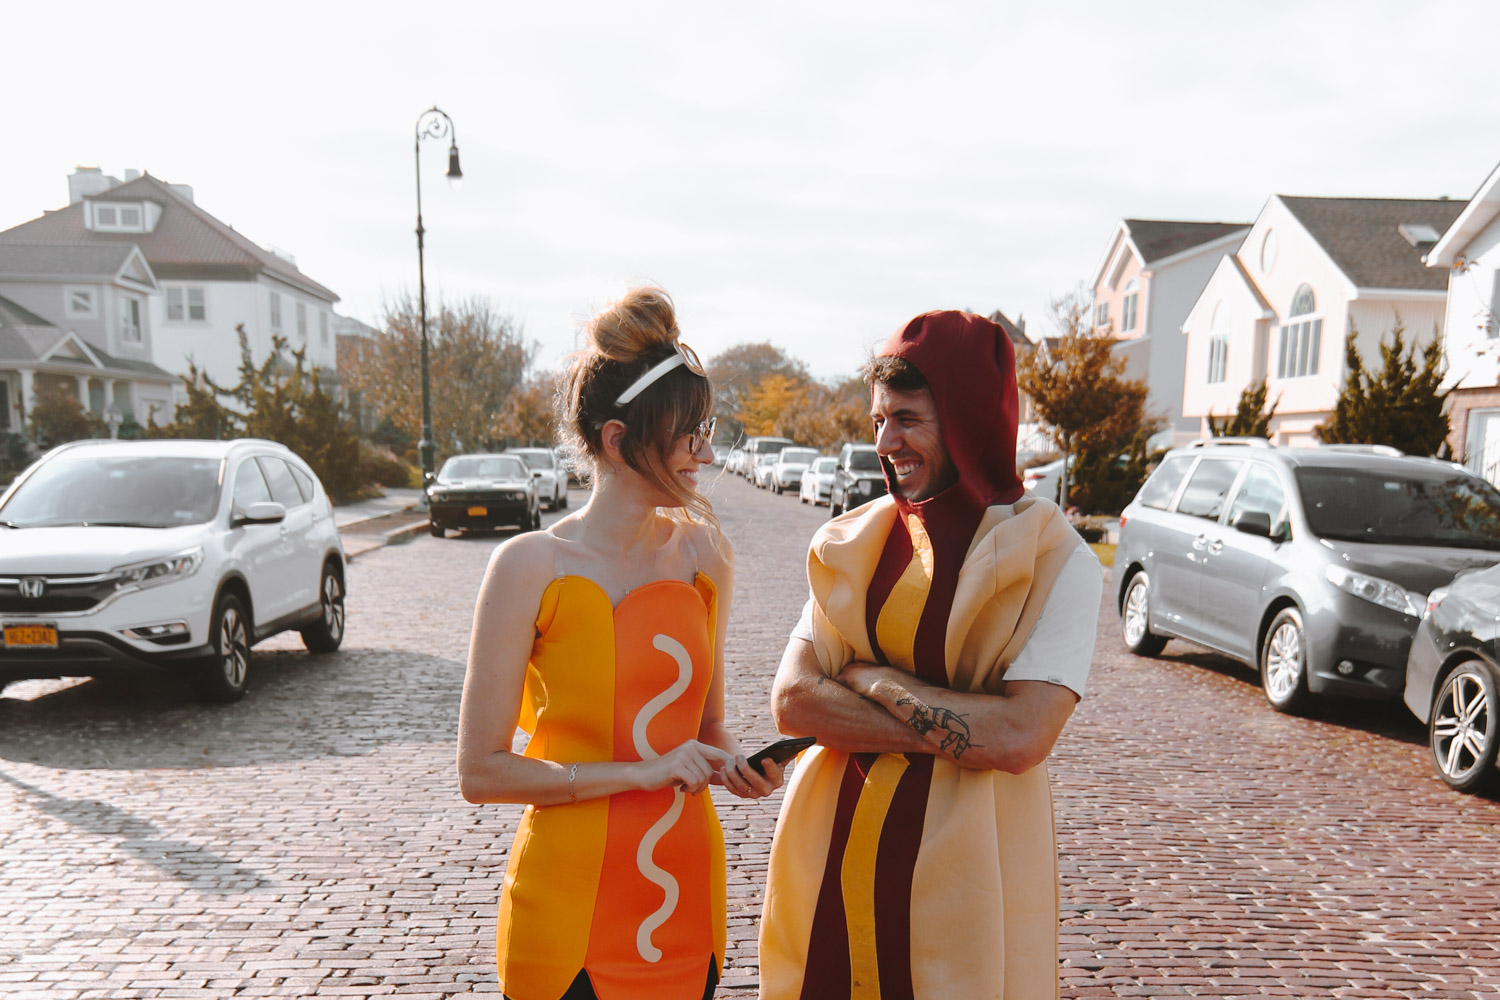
901, 876
624, 893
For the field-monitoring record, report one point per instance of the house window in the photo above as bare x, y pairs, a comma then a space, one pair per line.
1300, 338
1101, 314
323, 327
302, 322
130, 320
275, 313
1127, 307
1218, 356
118, 218
186, 303
80, 301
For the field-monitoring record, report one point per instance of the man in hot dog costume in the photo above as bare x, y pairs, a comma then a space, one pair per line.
947, 640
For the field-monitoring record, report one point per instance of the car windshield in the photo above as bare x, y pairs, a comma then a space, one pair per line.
483, 467
138, 491
1423, 507
798, 456
864, 461
825, 465
537, 459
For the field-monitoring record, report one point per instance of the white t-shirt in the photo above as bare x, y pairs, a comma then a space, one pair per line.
1061, 647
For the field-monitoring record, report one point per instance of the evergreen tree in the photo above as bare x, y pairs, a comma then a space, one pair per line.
1251, 418
1401, 404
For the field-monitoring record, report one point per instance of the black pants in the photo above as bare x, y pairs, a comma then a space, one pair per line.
583, 989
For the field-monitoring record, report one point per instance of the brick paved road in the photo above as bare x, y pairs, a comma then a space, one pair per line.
310, 841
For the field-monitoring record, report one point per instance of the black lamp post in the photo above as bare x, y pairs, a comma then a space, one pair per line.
431, 124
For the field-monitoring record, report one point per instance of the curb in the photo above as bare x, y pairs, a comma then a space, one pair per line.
372, 543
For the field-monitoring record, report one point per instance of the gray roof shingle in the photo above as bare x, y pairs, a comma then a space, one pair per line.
25, 336
1158, 238
1362, 237
62, 260
187, 243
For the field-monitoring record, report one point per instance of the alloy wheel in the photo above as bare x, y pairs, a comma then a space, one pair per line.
1463, 726
234, 647
1135, 613
333, 606
1284, 662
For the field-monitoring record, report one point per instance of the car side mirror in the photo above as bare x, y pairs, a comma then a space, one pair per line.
1253, 522
536, 473
263, 512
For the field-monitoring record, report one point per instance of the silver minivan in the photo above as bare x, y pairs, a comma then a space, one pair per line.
1311, 564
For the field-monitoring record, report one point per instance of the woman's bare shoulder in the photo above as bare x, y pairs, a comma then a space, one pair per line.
714, 552
526, 559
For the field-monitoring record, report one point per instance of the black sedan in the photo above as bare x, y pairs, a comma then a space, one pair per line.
1452, 678
485, 492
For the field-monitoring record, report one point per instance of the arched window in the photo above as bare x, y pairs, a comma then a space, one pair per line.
1301, 339
1127, 306
1218, 344
1303, 302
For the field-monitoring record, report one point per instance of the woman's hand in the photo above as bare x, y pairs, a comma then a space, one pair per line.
745, 781
689, 766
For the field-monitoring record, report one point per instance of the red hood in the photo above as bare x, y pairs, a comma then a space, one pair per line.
970, 366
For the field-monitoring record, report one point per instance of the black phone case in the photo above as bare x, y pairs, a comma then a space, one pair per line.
781, 751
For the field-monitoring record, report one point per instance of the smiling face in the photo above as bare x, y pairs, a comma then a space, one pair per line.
907, 435
683, 463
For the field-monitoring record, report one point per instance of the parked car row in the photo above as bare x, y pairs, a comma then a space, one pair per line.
1347, 571
842, 481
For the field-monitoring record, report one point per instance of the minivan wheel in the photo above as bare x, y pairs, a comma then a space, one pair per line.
224, 676
1462, 733
1283, 663
1135, 619
325, 634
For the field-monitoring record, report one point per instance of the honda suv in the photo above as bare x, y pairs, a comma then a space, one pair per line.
1311, 564
165, 555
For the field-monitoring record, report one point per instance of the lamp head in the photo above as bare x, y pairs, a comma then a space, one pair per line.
455, 173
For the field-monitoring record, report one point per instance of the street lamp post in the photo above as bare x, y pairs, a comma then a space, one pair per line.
431, 124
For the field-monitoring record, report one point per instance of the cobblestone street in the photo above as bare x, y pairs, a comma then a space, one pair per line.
310, 840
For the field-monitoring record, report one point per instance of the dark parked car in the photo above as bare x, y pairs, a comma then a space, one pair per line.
1311, 564
1452, 678
483, 491
858, 479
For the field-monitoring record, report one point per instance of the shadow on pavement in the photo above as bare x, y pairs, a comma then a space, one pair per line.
182, 860
1390, 719
299, 707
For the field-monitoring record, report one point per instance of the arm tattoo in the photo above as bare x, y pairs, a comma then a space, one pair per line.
942, 726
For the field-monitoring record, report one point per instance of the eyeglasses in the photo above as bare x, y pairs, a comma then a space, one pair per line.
702, 434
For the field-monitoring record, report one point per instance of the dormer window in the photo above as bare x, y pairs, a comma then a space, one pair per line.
1127, 306
118, 218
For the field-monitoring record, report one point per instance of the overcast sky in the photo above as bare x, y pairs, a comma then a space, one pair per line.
807, 173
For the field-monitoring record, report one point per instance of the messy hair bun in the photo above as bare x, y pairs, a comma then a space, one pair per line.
625, 339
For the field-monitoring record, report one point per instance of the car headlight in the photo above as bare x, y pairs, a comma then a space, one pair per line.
516, 495
140, 575
1375, 590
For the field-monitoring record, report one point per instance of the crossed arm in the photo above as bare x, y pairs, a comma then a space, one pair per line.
870, 708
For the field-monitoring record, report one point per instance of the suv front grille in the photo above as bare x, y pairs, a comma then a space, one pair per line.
59, 593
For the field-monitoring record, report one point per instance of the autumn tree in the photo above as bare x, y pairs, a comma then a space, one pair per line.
1077, 384
768, 406
830, 414
478, 359
1400, 405
1251, 418
530, 415
737, 372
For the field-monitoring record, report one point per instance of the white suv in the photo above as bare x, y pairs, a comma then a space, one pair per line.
551, 478
166, 555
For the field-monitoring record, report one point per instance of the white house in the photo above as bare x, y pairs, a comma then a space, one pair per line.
1280, 307
1469, 253
1149, 277
211, 278
78, 315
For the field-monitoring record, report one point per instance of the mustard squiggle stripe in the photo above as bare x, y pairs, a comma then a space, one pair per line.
644, 862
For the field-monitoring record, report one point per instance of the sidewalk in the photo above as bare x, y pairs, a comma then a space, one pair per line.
350, 517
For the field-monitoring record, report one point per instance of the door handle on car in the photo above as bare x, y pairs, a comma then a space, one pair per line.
1200, 543
1215, 545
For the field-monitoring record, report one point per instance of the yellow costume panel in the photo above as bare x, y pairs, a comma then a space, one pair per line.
629, 888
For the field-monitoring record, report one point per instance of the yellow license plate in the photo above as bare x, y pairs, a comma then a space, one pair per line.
478, 511
31, 636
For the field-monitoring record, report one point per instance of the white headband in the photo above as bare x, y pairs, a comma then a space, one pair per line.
682, 355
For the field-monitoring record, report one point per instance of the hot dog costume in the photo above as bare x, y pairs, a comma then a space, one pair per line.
905, 875
623, 894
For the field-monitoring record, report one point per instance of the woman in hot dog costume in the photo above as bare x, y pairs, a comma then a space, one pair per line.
603, 638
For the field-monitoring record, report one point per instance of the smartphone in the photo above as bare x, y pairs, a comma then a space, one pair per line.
781, 751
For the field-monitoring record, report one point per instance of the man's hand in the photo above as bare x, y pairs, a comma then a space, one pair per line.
807, 702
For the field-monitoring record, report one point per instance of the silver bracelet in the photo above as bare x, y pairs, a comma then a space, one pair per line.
572, 773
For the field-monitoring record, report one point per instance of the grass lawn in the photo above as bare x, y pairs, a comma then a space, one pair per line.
1105, 552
